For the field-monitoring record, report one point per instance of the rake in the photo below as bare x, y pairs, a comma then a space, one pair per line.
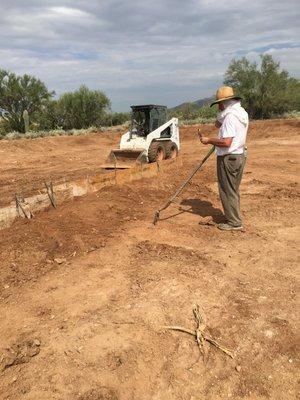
181, 188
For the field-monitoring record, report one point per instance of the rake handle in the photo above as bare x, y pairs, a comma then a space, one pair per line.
180, 189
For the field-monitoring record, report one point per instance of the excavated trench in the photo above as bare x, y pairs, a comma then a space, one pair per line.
52, 195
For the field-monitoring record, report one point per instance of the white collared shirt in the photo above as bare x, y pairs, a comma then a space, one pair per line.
232, 127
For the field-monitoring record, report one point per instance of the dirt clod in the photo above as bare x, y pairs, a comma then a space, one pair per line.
60, 260
19, 353
102, 393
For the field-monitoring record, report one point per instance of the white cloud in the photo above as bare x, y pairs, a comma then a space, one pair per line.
68, 12
170, 51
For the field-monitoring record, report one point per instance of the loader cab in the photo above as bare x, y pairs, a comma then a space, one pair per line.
147, 118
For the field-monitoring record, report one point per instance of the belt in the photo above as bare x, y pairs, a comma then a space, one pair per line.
232, 154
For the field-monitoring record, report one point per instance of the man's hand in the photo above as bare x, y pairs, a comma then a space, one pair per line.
203, 139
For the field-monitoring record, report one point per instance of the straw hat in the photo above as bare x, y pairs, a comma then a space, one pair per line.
225, 93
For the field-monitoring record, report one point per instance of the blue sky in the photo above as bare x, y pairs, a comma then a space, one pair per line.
164, 52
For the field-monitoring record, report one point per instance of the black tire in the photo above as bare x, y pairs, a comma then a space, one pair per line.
171, 150
156, 152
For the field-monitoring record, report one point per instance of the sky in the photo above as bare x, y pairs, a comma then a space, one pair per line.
139, 52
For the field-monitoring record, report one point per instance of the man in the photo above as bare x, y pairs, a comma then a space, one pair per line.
233, 122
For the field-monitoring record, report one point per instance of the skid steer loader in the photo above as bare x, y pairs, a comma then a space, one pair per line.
151, 138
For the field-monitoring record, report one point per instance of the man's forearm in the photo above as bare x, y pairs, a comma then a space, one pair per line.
220, 142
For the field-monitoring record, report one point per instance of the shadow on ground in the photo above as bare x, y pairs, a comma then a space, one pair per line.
202, 208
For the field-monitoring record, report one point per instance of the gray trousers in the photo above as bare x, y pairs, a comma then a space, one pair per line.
230, 171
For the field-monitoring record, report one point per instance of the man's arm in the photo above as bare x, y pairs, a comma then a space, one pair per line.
228, 132
226, 142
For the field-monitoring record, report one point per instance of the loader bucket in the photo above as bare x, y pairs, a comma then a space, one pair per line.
122, 159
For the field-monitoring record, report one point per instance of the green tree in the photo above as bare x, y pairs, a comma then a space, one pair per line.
274, 96
266, 89
119, 118
19, 94
294, 94
206, 112
49, 117
81, 109
115, 118
189, 111
244, 77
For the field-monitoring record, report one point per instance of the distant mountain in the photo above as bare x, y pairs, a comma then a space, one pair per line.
197, 104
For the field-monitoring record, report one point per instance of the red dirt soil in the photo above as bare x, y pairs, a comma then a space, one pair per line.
85, 289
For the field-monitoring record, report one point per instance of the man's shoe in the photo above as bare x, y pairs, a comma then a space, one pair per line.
228, 227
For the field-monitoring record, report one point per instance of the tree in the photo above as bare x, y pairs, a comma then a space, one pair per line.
273, 87
294, 94
243, 76
266, 90
189, 111
49, 117
82, 108
119, 118
20, 95
207, 113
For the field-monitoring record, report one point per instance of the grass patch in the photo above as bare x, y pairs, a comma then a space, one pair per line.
60, 132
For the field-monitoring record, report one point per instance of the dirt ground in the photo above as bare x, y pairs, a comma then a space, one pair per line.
86, 289
25, 164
